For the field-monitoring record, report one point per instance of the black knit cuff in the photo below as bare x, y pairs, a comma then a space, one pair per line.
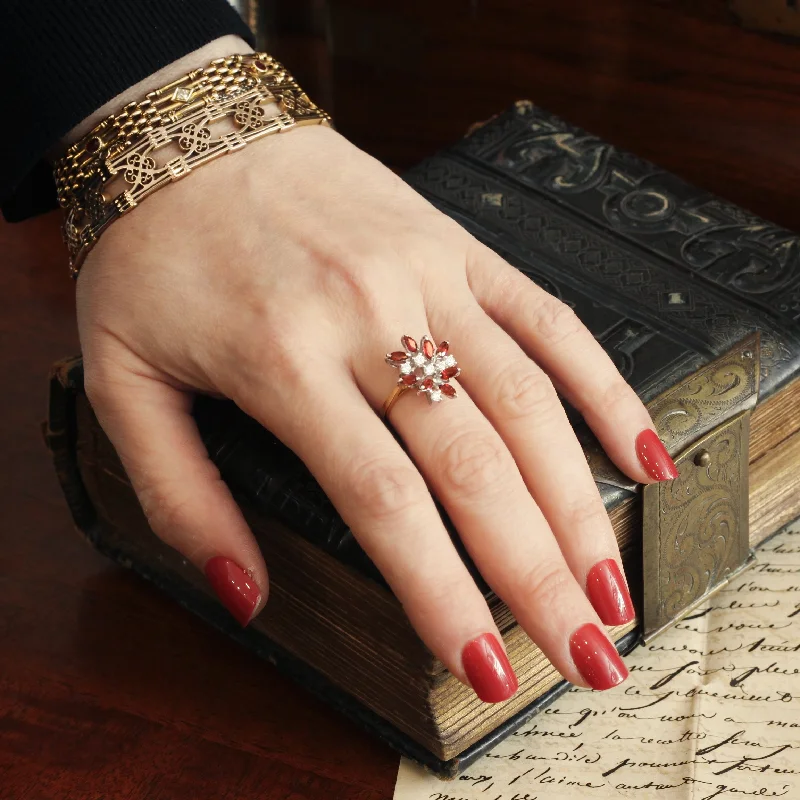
66, 58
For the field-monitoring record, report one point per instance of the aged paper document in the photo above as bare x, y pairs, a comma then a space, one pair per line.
711, 710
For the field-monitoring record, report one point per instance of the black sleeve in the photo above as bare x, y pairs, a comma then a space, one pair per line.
63, 59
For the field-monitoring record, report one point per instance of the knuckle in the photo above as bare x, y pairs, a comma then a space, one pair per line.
385, 489
259, 306
274, 358
166, 515
616, 394
432, 593
474, 463
500, 283
525, 393
272, 351
271, 339
173, 503
266, 311
555, 321
351, 280
540, 586
584, 513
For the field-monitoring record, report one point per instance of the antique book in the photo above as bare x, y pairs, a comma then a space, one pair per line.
697, 302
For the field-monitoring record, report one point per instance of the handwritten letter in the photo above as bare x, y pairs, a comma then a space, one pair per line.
711, 710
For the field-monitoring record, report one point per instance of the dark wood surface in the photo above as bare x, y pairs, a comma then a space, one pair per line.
109, 691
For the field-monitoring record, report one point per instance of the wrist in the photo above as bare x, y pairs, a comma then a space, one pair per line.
223, 46
193, 113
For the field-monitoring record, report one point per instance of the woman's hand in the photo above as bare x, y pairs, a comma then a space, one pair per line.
280, 276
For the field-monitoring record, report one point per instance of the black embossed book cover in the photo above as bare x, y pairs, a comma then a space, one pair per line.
696, 300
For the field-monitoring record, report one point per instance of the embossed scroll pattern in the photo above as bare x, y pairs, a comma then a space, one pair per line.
701, 515
695, 527
701, 401
725, 244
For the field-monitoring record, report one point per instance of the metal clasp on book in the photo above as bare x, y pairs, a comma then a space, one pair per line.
695, 536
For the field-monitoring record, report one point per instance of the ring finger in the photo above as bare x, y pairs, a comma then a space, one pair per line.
382, 497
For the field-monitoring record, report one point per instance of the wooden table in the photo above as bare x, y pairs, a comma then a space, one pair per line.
107, 690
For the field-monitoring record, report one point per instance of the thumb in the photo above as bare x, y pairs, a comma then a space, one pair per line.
187, 504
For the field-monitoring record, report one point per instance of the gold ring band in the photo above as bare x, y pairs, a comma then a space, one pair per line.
393, 397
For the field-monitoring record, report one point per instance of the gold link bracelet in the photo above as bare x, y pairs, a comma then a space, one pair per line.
205, 114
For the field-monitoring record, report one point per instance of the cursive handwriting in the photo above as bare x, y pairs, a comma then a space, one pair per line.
711, 711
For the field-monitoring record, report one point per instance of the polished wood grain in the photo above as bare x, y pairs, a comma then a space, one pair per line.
675, 81
107, 690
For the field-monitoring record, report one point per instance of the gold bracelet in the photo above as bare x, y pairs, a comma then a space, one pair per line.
183, 95
228, 99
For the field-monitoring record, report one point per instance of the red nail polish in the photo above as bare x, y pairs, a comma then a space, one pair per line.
596, 658
234, 587
654, 457
608, 593
488, 669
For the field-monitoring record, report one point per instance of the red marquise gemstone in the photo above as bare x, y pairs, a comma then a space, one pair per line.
428, 348
399, 356
410, 344
443, 349
427, 384
450, 372
408, 380
448, 390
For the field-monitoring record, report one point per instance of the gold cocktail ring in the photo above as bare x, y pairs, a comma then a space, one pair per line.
424, 367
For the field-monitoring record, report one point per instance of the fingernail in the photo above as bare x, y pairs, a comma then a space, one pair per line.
488, 669
596, 658
608, 593
654, 457
234, 587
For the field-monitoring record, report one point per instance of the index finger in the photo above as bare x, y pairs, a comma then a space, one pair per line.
553, 336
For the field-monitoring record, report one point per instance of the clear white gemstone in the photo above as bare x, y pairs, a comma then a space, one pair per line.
405, 368
449, 361
435, 395
429, 369
419, 359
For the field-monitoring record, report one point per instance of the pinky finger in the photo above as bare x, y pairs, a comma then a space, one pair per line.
186, 502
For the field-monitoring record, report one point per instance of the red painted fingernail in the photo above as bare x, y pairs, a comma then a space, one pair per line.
488, 669
608, 593
654, 457
596, 658
234, 587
